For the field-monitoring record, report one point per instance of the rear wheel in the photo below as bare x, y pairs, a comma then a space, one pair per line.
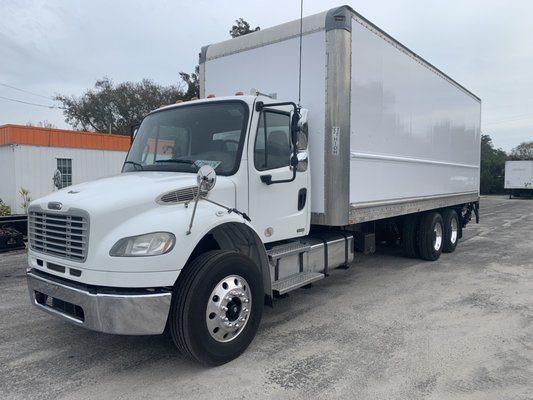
217, 306
430, 236
451, 230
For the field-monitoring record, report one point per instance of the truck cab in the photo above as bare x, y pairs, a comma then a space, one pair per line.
246, 141
116, 254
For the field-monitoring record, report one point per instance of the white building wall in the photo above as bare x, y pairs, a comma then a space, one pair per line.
7, 175
33, 169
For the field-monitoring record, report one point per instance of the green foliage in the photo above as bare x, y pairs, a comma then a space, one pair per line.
26, 199
42, 124
115, 108
5, 210
193, 83
524, 151
492, 167
241, 28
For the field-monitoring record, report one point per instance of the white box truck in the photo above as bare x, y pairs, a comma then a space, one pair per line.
519, 178
227, 202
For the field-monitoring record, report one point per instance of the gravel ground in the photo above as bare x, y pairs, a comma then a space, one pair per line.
389, 327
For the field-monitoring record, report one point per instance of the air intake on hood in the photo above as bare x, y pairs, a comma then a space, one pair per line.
179, 196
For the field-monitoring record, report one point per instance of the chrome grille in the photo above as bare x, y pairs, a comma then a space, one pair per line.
179, 196
58, 234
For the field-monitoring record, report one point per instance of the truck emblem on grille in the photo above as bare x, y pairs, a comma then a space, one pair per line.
55, 205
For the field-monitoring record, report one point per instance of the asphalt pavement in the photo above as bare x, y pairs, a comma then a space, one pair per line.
389, 327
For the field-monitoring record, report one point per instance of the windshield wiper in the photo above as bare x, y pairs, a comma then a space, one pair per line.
135, 164
177, 161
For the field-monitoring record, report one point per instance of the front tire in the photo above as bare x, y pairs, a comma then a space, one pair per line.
216, 307
430, 236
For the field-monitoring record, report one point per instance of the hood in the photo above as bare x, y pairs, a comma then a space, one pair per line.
129, 190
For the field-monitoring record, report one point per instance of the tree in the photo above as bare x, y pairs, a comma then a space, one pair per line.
492, 167
193, 83
241, 28
524, 151
115, 108
42, 124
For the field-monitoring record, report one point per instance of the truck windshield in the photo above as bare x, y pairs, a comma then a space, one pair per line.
184, 138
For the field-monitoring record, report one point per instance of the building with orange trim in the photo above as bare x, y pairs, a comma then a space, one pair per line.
30, 157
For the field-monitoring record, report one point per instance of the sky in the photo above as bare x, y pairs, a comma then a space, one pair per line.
63, 46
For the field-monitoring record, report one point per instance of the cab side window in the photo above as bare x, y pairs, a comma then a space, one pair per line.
272, 145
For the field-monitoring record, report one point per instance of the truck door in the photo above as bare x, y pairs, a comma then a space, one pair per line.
278, 210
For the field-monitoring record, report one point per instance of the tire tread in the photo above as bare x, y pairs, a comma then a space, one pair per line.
184, 287
425, 236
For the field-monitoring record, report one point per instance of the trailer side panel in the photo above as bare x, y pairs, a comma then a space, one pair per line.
415, 134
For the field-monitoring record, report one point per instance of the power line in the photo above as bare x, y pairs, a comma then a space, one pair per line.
31, 104
509, 119
25, 91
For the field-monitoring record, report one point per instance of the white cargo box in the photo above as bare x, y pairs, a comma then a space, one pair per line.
518, 175
389, 133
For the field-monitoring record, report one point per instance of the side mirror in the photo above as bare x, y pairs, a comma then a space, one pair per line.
303, 130
299, 129
206, 178
294, 128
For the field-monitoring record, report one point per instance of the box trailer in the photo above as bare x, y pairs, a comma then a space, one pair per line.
389, 133
519, 178
230, 201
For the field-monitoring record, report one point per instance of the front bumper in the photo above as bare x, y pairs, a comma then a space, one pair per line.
124, 313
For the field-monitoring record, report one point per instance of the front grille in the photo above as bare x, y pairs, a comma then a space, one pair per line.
60, 235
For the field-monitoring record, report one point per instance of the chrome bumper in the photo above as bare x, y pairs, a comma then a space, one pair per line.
123, 314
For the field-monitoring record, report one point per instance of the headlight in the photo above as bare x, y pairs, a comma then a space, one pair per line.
150, 244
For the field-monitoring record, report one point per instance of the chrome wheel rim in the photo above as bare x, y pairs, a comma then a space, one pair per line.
453, 231
437, 237
228, 308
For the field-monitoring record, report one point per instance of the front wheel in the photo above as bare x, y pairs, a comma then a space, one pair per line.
217, 306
